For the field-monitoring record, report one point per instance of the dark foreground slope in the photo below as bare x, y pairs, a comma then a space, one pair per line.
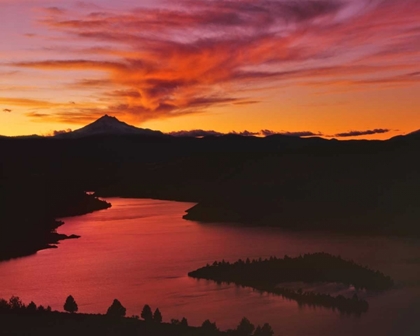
16, 318
82, 324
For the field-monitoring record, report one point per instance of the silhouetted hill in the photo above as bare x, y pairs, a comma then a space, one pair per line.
107, 125
290, 182
83, 324
30, 206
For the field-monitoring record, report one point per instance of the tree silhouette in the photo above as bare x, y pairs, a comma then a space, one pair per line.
70, 305
266, 330
258, 331
4, 306
209, 326
245, 328
16, 303
146, 313
184, 322
116, 309
157, 316
31, 307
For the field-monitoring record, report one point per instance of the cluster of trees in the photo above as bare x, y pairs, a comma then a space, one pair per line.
148, 316
15, 305
245, 328
183, 323
267, 274
118, 310
316, 267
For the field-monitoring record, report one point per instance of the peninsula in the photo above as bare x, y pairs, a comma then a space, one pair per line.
268, 275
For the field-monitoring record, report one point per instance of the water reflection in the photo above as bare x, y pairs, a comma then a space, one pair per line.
140, 251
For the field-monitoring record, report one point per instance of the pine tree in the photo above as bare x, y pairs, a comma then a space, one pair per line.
266, 330
31, 307
157, 316
146, 313
70, 305
116, 309
15, 303
209, 326
245, 327
184, 322
257, 331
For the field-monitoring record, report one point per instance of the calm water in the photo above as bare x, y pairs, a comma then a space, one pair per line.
140, 251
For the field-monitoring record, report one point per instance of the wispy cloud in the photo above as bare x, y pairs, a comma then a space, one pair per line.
246, 133
197, 133
266, 132
34, 103
55, 10
362, 133
202, 133
296, 134
191, 56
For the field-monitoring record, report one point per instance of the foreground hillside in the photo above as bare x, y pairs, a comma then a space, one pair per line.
83, 324
19, 319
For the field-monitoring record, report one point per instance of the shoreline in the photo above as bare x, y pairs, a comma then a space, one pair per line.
267, 276
50, 240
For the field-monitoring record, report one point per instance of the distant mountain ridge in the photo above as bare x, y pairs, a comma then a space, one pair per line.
111, 126
107, 125
358, 186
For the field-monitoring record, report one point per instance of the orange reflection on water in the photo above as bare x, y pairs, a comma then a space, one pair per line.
140, 252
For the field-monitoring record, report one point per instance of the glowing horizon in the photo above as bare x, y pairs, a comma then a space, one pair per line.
326, 67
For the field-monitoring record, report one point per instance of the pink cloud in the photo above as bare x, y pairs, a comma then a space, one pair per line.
189, 57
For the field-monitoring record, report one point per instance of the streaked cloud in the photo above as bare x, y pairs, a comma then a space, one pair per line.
202, 133
190, 57
361, 133
296, 134
198, 133
26, 102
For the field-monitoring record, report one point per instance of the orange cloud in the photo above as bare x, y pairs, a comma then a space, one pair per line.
71, 65
199, 133
184, 59
26, 102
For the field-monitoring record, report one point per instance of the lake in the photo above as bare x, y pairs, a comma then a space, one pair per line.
140, 251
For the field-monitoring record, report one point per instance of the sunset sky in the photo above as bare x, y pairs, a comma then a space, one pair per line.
326, 67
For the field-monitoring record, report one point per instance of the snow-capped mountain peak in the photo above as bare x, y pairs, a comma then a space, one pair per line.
108, 125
